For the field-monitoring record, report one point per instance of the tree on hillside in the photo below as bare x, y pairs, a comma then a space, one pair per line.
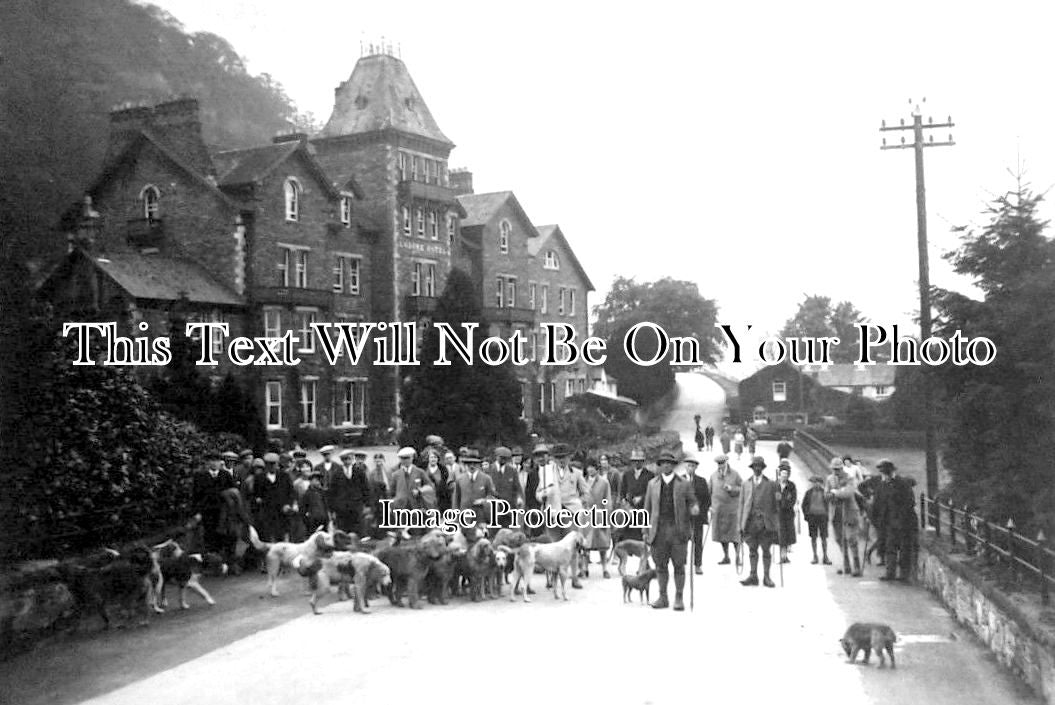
462, 403
1000, 420
674, 305
816, 317
67, 64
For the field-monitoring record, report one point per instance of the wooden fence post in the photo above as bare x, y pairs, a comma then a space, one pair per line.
1011, 548
1042, 564
968, 530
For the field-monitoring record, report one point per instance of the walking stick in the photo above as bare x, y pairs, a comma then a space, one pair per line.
692, 573
780, 546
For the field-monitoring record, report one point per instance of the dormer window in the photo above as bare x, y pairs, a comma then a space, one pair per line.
504, 228
346, 211
551, 261
151, 198
292, 189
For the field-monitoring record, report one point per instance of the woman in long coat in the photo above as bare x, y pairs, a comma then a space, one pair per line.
725, 505
598, 538
786, 510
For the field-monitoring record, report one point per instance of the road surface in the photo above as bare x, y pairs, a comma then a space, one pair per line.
747, 644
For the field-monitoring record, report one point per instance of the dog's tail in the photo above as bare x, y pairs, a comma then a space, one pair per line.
254, 538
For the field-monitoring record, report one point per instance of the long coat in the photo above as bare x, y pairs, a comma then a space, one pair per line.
789, 495
600, 496
768, 496
684, 502
404, 481
702, 490
843, 510
725, 505
348, 496
895, 507
636, 486
468, 490
444, 484
506, 483
269, 500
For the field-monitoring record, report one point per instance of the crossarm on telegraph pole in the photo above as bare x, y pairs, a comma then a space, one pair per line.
925, 323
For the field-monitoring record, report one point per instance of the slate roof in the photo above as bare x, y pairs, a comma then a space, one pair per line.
481, 207
246, 166
380, 94
849, 375
154, 276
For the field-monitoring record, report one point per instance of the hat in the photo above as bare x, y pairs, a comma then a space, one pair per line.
757, 462
540, 448
691, 457
229, 455
360, 453
637, 454
345, 453
816, 478
246, 454
284, 456
406, 452
885, 464
300, 453
784, 463
517, 451
258, 463
835, 463
471, 455
212, 455
433, 441
503, 453
270, 458
561, 450
721, 458
666, 457
327, 449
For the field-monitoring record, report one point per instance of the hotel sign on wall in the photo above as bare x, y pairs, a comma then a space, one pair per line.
418, 247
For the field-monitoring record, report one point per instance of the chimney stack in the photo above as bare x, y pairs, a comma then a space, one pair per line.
461, 181
175, 123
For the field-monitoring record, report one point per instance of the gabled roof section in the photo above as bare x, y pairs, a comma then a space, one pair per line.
550, 234
481, 208
161, 278
240, 167
380, 95
145, 136
846, 374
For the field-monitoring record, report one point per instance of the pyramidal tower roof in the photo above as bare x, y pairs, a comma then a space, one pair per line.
379, 95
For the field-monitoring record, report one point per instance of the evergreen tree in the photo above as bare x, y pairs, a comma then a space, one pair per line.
462, 403
1000, 417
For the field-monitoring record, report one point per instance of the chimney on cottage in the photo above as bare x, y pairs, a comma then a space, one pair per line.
461, 181
175, 123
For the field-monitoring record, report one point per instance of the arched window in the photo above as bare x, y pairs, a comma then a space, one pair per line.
504, 228
551, 260
292, 199
346, 211
151, 198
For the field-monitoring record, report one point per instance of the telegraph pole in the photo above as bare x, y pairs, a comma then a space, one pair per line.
918, 144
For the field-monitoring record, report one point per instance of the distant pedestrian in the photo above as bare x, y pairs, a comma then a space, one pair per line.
752, 441
738, 444
708, 434
786, 508
725, 485
815, 511
784, 448
724, 438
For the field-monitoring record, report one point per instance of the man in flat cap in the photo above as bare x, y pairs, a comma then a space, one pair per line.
635, 484
328, 466
758, 520
410, 485
671, 505
244, 469
725, 485
506, 483
230, 458
896, 521
348, 493
207, 501
273, 500
841, 491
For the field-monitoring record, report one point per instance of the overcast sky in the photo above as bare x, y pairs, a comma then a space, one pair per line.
735, 146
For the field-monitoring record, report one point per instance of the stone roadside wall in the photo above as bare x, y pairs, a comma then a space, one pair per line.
1016, 639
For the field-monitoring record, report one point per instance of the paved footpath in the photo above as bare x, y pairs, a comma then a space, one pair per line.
753, 645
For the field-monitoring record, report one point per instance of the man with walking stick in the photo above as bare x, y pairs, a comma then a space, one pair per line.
671, 505
759, 523
703, 501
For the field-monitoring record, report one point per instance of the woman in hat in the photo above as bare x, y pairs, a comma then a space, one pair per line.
786, 508
599, 494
